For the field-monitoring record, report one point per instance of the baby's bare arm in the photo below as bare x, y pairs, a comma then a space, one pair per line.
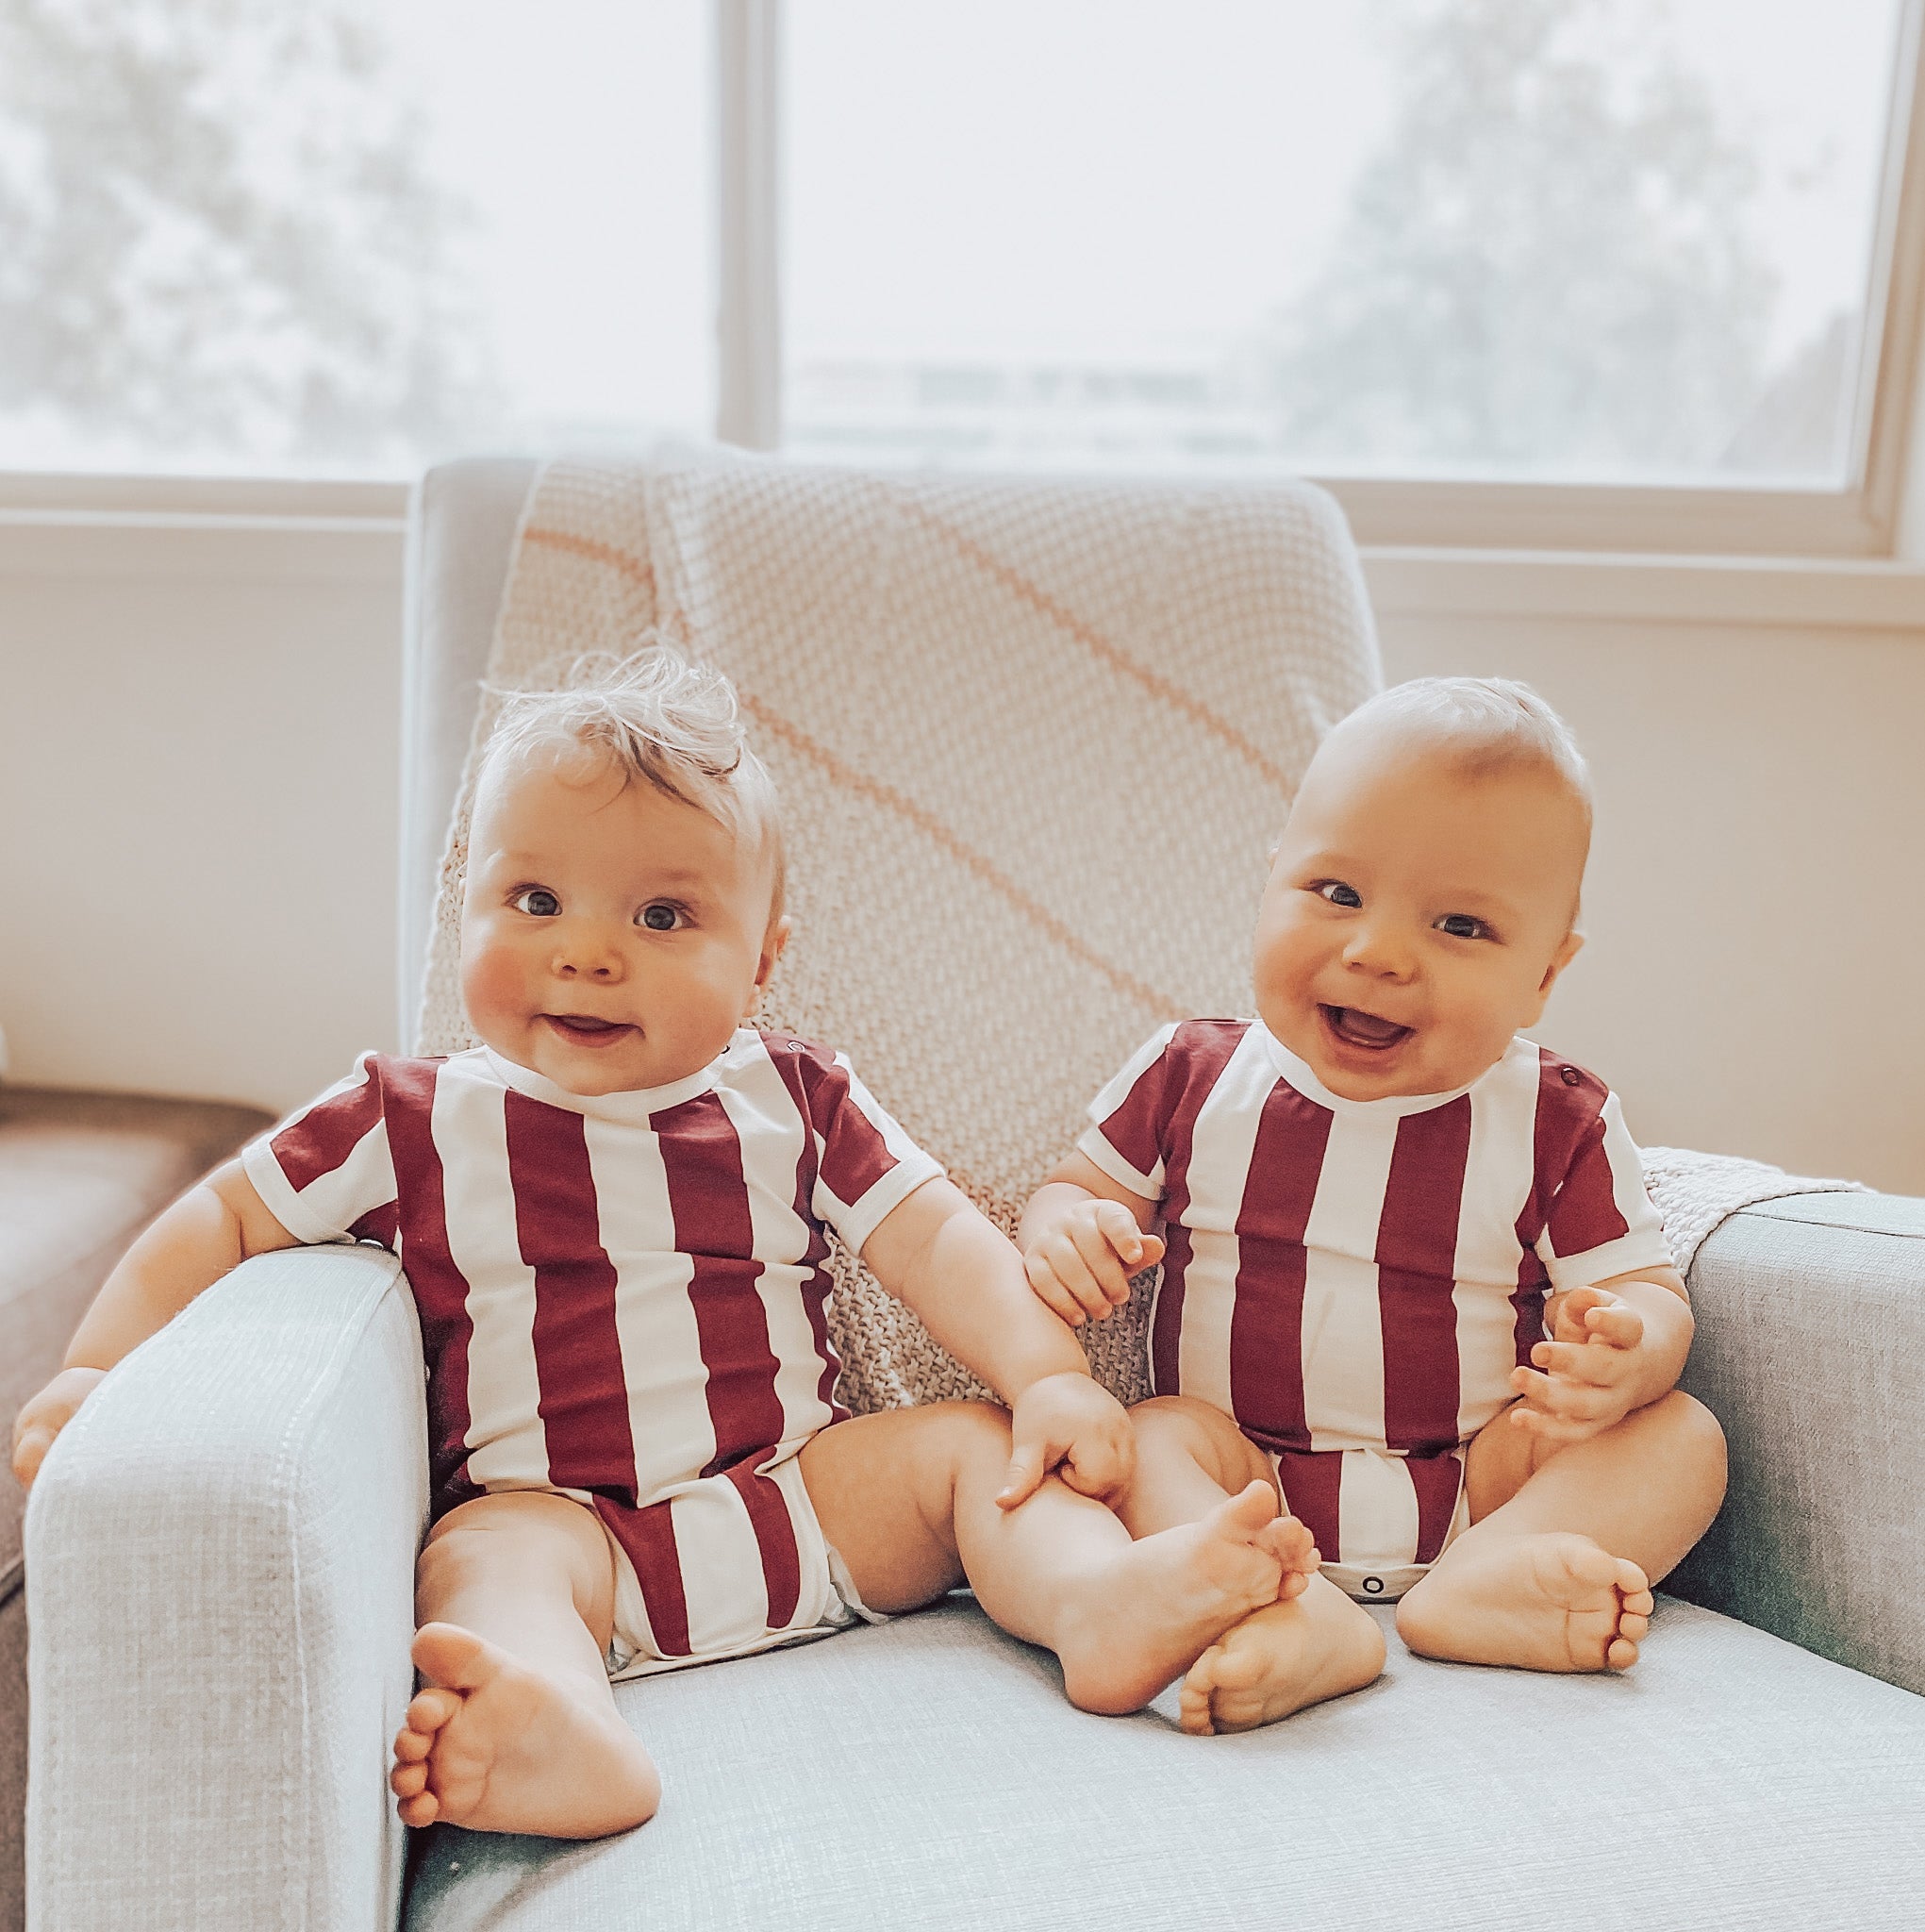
936, 1253
211, 1229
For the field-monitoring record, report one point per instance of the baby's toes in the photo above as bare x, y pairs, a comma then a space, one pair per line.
1195, 1701
430, 1710
422, 1809
1632, 1584
1295, 1544
413, 1746
1193, 1712
407, 1780
1621, 1654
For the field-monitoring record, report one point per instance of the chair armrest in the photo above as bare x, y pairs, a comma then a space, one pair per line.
219, 1572
1810, 1351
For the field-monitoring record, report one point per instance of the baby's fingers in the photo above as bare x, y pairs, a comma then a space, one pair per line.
1559, 1396
1098, 1468
1549, 1428
1578, 1361
1118, 1227
1052, 1293
1028, 1465
1103, 1240
29, 1454
1616, 1322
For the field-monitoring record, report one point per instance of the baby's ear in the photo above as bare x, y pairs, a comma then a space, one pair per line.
774, 941
1568, 950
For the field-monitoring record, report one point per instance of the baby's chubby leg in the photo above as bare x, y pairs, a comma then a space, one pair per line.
1555, 1571
516, 1730
1313, 1643
908, 1499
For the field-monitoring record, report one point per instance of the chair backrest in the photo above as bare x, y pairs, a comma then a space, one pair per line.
460, 538
1034, 737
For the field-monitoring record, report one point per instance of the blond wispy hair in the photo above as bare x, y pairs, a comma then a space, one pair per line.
657, 719
1488, 725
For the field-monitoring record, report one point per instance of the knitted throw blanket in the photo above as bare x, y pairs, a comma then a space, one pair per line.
1034, 740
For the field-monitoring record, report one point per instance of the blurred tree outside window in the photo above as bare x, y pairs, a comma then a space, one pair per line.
337, 239
1617, 240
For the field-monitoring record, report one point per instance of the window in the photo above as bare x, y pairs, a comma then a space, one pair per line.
1568, 272
1548, 240
1582, 242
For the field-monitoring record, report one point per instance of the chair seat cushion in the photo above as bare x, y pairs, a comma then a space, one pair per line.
929, 1774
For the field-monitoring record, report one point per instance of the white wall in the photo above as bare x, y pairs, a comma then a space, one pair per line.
197, 800
198, 786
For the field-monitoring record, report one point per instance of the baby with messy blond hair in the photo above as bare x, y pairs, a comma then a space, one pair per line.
614, 1217
1411, 1279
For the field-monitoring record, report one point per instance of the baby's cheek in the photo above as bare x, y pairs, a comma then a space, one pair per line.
491, 987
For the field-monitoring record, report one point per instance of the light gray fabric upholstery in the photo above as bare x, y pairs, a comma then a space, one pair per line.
1810, 1351
230, 1523
80, 1175
930, 1775
219, 1588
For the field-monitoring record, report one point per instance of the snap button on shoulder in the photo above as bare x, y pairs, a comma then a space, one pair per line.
1569, 1075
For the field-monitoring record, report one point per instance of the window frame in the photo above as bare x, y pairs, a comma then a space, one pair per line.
1859, 519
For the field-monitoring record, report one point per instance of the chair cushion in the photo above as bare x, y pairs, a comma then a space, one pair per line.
80, 1175
929, 1774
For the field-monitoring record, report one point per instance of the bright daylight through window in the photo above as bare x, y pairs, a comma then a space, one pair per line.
1580, 239
1617, 240
346, 238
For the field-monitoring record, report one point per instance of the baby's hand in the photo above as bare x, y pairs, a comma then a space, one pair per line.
44, 1416
1592, 1370
1082, 1264
1076, 1426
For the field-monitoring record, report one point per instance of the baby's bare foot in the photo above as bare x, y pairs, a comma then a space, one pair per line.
1129, 1630
1296, 1550
496, 1746
1553, 1601
1280, 1658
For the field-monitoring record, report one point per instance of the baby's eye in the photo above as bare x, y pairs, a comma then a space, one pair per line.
660, 917
1339, 894
1460, 925
536, 901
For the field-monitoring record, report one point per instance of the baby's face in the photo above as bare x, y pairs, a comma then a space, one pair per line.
612, 938
1415, 915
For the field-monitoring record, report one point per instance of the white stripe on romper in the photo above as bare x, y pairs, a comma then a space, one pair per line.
1223, 1142
769, 1130
1497, 1183
1343, 1331
507, 1444
662, 1370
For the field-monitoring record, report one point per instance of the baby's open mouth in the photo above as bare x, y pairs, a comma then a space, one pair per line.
584, 1030
1363, 1029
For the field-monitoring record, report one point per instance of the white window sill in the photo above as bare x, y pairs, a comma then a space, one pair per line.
1405, 581
1799, 592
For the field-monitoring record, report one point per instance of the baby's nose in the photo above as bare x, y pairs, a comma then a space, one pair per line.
1380, 951
586, 956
